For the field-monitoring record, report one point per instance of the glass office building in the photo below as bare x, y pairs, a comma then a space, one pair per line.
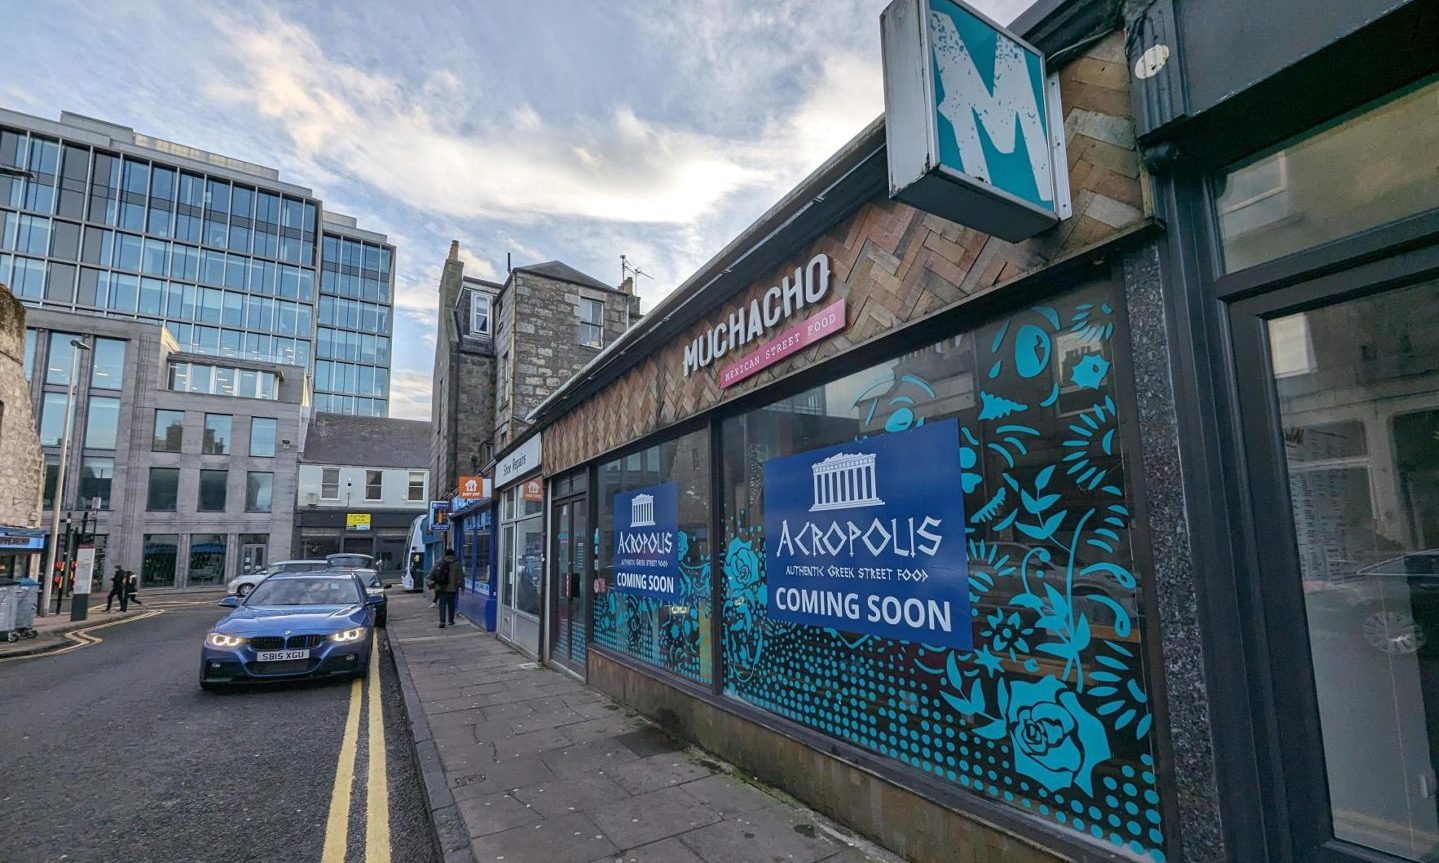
96, 218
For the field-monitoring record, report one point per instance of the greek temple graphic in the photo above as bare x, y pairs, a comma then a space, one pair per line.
845, 481
642, 510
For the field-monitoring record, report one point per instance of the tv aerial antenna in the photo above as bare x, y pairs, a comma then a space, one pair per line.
628, 268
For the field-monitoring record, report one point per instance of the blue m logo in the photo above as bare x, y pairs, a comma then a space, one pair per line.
991, 96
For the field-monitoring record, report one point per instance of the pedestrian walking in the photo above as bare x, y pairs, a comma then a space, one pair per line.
132, 587
447, 576
118, 583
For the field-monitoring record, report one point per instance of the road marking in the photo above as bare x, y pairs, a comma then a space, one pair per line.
337, 825
377, 789
82, 637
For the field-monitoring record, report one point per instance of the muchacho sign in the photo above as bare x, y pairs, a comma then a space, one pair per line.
973, 128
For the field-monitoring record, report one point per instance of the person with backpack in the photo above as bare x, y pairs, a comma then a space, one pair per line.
132, 587
118, 583
446, 578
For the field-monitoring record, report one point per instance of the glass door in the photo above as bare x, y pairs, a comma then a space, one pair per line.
567, 576
1341, 432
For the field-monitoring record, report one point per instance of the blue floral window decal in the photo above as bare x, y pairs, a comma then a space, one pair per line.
1050, 712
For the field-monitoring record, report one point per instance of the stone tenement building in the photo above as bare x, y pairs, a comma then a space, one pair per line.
502, 348
20, 457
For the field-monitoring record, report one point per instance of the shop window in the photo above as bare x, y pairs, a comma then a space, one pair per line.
1360, 425
657, 607
1050, 709
157, 569
1375, 165
207, 558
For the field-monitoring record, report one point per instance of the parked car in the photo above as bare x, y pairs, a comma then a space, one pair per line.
376, 587
346, 560
1395, 603
292, 626
245, 583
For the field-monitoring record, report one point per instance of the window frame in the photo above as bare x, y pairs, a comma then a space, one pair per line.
375, 479
250, 495
274, 424
325, 473
478, 297
155, 430
224, 500
417, 483
150, 488
590, 304
206, 446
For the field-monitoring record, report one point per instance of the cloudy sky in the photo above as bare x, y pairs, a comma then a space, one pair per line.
544, 129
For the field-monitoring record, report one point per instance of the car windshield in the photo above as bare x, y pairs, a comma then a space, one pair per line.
348, 560
305, 591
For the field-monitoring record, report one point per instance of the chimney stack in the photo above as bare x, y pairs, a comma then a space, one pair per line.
454, 250
628, 286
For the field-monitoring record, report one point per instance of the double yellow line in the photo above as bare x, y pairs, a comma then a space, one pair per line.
377, 788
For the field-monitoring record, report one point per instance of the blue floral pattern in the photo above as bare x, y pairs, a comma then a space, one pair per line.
1050, 712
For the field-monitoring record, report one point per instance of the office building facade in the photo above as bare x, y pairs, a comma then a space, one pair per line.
186, 462
99, 219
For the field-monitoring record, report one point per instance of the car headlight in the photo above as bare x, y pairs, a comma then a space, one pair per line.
220, 639
345, 635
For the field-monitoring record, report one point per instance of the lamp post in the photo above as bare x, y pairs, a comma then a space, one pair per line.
60, 476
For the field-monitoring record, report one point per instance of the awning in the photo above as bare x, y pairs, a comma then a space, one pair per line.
19, 540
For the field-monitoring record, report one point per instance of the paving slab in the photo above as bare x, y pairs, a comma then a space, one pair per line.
523, 764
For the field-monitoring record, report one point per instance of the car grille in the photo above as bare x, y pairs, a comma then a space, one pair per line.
288, 666
279, 642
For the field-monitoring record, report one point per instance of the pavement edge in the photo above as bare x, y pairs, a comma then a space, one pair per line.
61, 635
451, 837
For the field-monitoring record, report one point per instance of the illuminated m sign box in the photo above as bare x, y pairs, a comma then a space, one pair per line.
973, 127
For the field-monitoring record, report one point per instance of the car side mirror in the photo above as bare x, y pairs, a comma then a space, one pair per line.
230, 602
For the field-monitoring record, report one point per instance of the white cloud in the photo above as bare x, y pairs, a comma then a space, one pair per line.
410, 395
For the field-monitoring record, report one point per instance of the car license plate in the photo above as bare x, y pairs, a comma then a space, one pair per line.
281, 655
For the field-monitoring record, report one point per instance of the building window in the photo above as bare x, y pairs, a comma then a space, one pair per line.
29, 353
592, 323
157, 568
102, 422
169, 431
374, 484
52, 479
217, 435
164, 489
330, 483
59, 358
96, 476
262, 437
479, 313
259, 486
504, 377
212, 490
417, 485
52, 418
108, 370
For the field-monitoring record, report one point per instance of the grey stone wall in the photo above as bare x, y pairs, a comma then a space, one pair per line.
20, 454
543, 341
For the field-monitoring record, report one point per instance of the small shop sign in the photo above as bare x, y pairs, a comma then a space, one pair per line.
647, 559
867, 538
357, 521
522, 460
474, 488
439, 515
816, 328
973, 126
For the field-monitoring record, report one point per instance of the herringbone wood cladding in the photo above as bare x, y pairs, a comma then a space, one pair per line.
893, 264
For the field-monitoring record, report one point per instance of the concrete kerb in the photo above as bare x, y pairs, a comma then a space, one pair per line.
60, 635
451, 837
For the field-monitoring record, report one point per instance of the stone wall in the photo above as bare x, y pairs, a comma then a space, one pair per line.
20, 454
894, 265
545, 351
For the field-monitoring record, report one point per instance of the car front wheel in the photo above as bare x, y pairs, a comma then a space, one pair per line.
243, 589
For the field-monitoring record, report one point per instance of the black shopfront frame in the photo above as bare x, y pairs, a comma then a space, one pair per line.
1272, 788
1100, 263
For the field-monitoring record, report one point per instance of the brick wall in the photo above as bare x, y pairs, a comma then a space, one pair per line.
895, 265
19, 443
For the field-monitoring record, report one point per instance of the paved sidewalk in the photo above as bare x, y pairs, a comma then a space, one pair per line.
526, 765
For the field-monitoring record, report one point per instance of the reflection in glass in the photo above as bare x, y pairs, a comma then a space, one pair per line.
212, 490
108, 369
158, 566
96, 476
259, 486
1376, 165
207, 558
217, 435
52, 419
102, 423
164, 489
169, 431
1361, 434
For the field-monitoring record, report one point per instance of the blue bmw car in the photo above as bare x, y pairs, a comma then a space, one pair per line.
292, 626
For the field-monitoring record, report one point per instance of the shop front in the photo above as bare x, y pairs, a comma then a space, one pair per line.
19, 547
384, 534
472, 526
521, 557
868, 507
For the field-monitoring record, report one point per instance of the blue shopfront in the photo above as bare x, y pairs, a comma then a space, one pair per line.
471, 533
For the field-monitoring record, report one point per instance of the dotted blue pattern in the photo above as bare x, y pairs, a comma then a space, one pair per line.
674, 637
